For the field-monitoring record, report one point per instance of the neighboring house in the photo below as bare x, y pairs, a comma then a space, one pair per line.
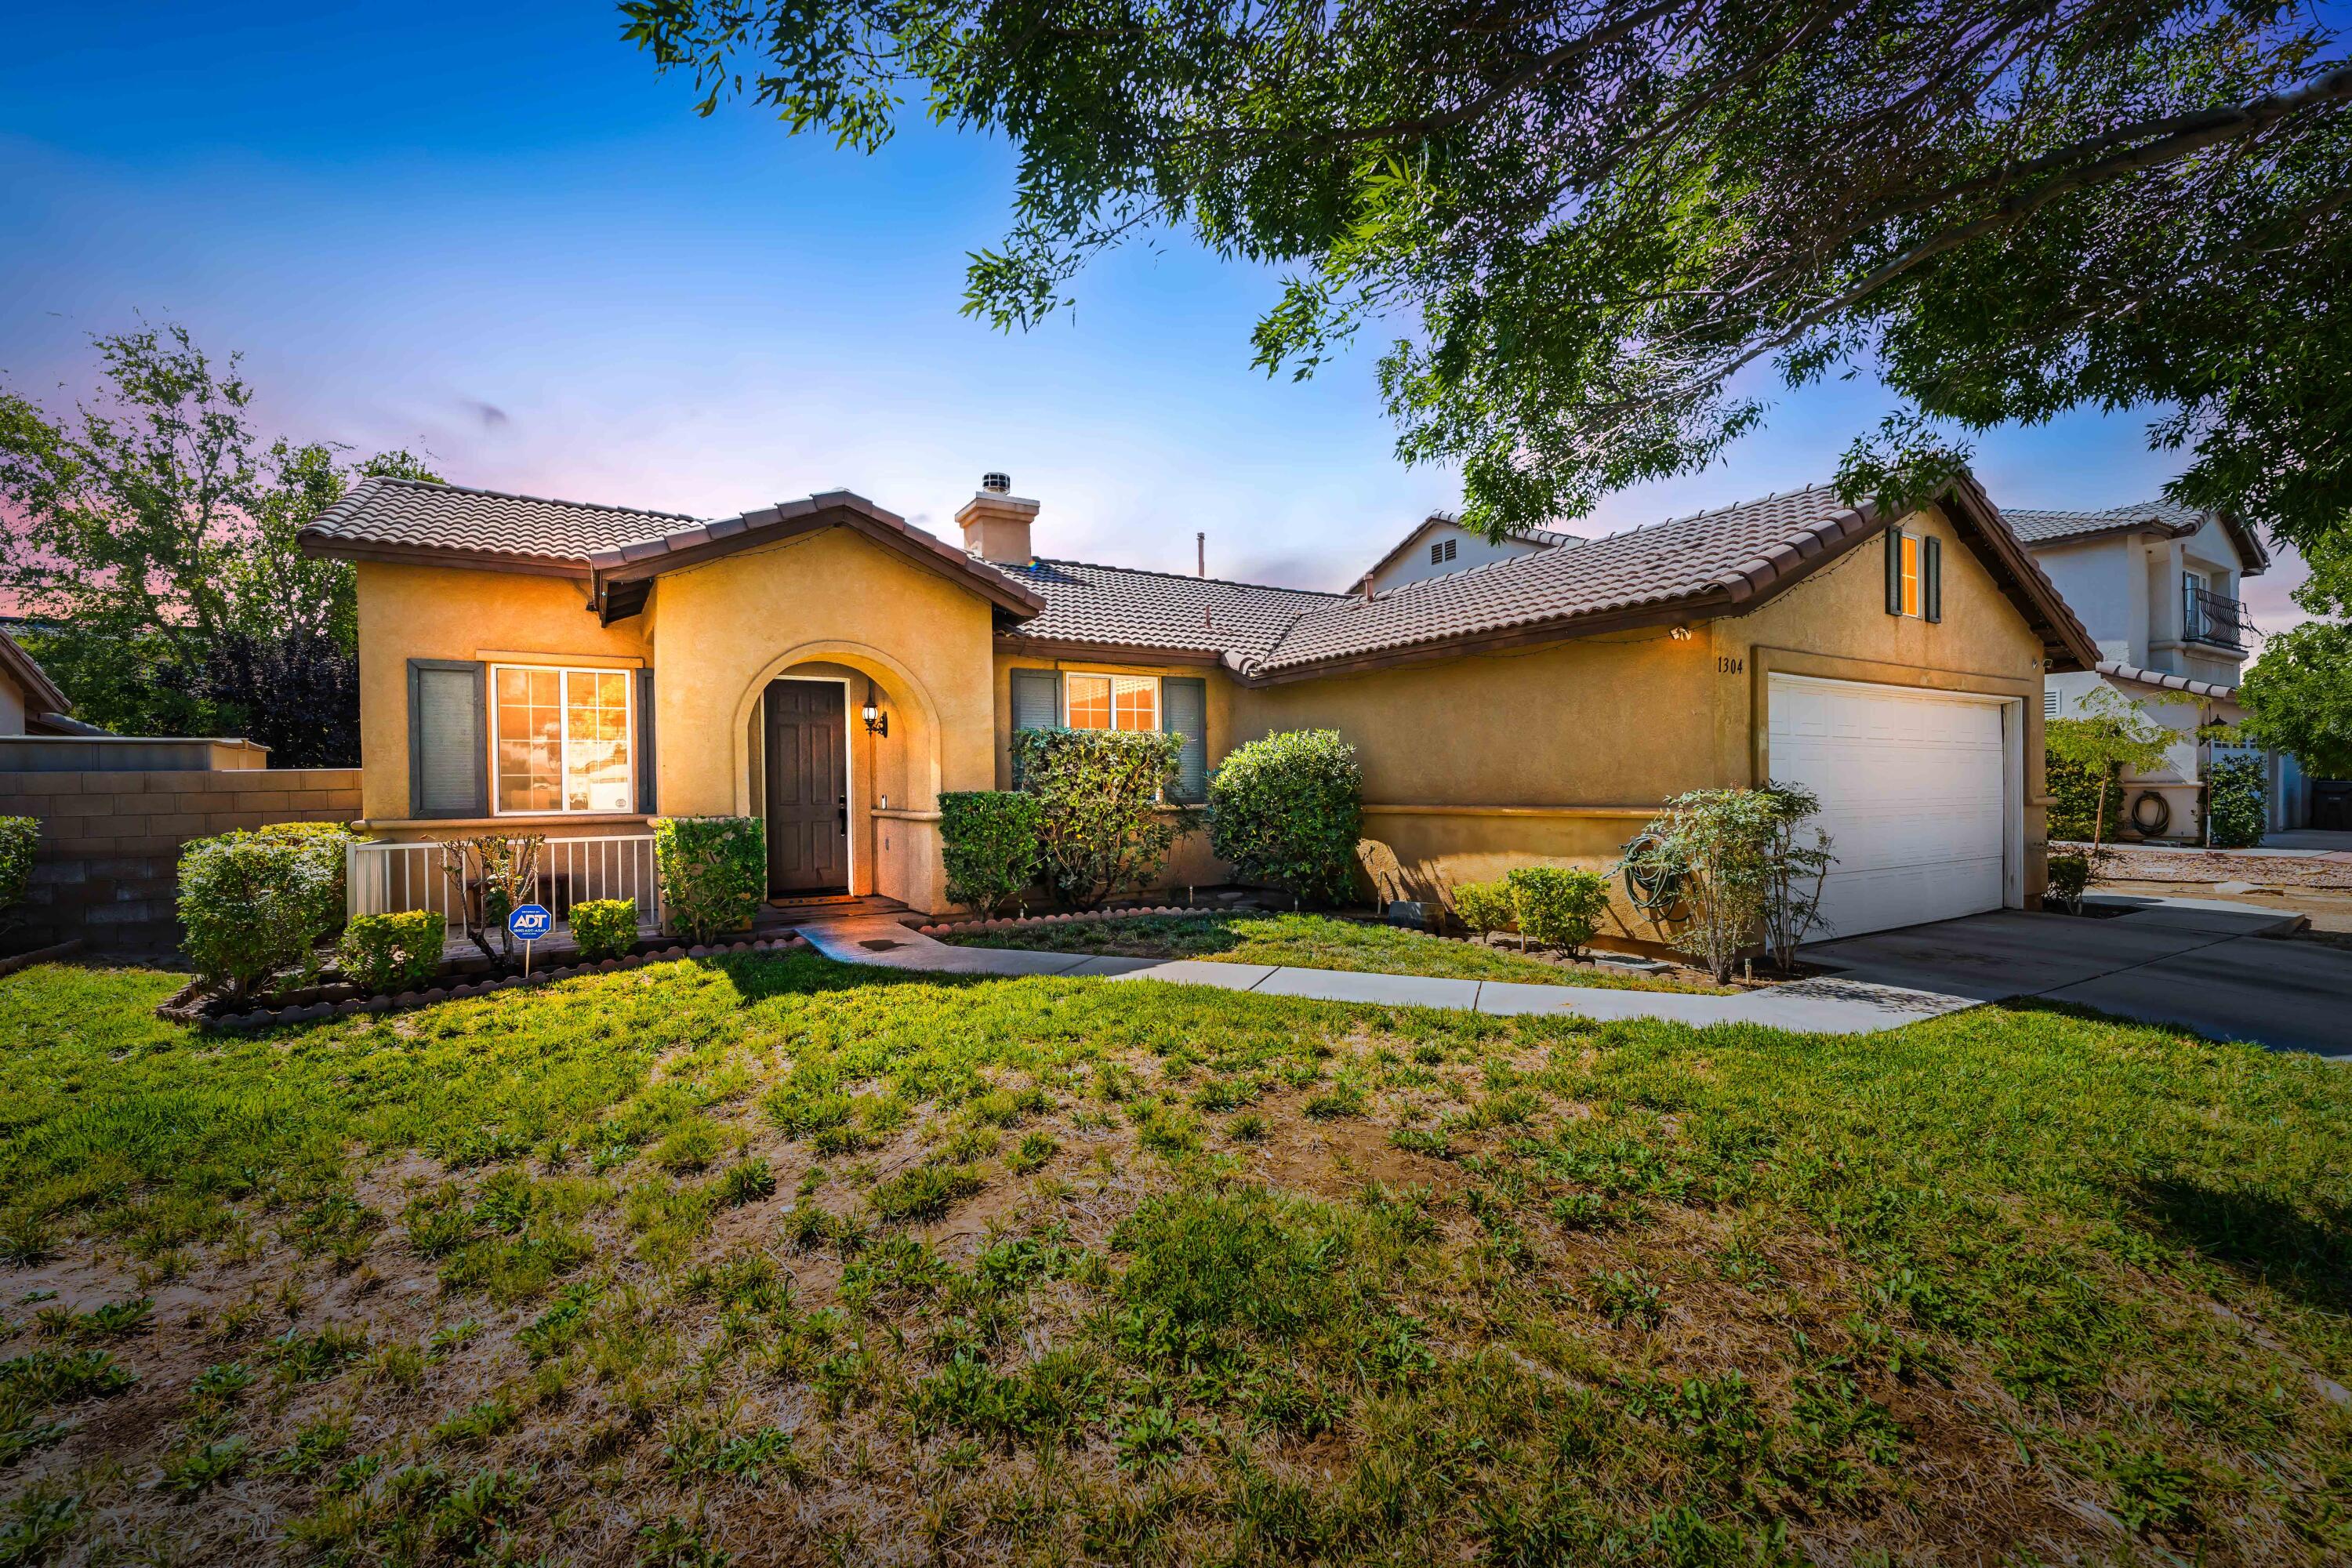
2158, 587
1441, 547
571, 669
30, 703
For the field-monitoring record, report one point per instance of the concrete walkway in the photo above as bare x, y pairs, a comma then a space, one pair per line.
1830, 1007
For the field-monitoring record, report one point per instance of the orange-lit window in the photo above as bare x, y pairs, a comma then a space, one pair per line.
1111, 702
1910, 574
561, 741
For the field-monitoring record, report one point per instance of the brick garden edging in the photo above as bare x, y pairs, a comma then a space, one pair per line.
186, 1007
1015, 923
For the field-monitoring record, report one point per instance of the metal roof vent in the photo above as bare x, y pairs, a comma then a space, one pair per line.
996, 483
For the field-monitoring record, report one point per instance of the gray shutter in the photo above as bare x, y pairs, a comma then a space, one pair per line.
448, 744
1184, 710
1036, 705
1893, 570
1931, 578
645, 739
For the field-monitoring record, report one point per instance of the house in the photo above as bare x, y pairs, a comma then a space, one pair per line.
572, 669
2158, 587
1441, 546
30, 703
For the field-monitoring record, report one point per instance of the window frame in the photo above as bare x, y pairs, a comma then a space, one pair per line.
1158, 708
1911, 577
632, 734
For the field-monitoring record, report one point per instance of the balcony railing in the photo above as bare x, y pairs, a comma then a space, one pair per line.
385, 879
2216, 618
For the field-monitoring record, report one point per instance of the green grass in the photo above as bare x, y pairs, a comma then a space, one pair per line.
1148, 1273
1307, 942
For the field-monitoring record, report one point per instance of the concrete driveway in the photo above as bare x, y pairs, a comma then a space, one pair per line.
2198, 964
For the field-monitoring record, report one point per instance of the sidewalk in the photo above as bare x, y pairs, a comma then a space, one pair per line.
1819, 1006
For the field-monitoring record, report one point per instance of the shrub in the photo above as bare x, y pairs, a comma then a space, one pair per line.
2238, 803
2077, 801
492, 875
2068, 876
1485, 907
1288, 810
713, 871
990, 838
1100, 826
1557, 906
254, 903
393, 953
1746, 872
605, 928
17, 837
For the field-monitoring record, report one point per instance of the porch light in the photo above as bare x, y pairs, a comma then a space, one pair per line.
1681, 634
877, 721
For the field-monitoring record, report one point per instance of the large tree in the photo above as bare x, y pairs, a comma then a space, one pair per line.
2298, 695
150, 539
1586, 219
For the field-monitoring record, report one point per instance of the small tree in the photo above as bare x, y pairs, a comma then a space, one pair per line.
1797, 861
989, 838
1288, 810
1747, 870
1101, 828
492, 875
2112, 734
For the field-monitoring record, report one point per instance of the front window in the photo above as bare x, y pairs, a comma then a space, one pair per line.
563, 741
1112, 702
1910, 574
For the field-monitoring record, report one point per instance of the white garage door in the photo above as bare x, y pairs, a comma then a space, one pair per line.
1911, 785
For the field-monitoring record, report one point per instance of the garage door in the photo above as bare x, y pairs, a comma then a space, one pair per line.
1911, 785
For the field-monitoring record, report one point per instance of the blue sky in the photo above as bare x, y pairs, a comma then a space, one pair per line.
502, 239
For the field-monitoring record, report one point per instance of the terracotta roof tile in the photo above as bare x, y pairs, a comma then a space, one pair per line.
2035, 526
1126, 607
418, 514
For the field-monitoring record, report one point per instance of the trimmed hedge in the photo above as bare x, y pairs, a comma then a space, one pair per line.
605, 928
1101, 829
2074, 802
2067, 876
713, 871
254, 903
393, 953
1558, 906
17, 837
991, 841
2237, 801
1288, 810
1485, 907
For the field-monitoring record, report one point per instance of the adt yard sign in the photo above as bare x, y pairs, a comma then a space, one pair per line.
530, 923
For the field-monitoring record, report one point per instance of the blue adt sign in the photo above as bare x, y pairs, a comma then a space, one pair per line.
530, 922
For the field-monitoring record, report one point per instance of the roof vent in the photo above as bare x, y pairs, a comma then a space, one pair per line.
996, 484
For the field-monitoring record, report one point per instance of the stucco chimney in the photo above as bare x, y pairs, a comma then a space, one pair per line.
996, 524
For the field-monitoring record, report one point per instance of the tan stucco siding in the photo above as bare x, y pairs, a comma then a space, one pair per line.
440, 612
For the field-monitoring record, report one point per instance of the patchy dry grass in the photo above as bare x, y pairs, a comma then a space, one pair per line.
768, 1258
1309, 941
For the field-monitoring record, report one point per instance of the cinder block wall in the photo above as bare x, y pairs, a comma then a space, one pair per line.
109, 849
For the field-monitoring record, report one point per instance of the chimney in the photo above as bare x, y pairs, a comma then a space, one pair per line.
996, 522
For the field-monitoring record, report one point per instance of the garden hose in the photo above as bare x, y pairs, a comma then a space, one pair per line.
1650, 887
2144, 827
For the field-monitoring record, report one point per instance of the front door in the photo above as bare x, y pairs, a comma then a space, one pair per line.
808, 788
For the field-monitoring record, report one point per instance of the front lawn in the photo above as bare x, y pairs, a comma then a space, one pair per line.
1309, 942
767, 1257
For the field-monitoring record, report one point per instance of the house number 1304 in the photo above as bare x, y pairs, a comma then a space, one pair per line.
1731, 666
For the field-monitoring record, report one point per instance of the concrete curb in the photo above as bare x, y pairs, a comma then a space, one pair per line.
1016, 922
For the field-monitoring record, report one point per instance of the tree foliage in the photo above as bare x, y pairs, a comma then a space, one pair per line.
2109, 733
1583, 222
151, 542
2298, 695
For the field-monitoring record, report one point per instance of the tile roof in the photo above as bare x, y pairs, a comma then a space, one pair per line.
2035, 526
2117, 670
416, 514
1121, 606
1733, 550
1543, 538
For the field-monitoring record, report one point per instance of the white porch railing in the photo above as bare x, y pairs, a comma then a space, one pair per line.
386, 878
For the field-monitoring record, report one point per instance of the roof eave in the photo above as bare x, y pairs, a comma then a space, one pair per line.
2065, 643
42, 695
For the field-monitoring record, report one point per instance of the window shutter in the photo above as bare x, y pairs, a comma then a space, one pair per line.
1893, 570
1036, 705
1931, 578
447, 744
1184, 710
645, 799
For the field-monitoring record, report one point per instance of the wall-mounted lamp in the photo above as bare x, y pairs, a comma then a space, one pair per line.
877, 721
1681, 633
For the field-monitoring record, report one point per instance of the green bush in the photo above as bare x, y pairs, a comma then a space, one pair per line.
2068, 875
713, 870
393, 953
1288, 810
1101, 829
2237, 801
2074, 802
254, 903
1557, 906
17, 837
1485, 907
990, 838
605, 928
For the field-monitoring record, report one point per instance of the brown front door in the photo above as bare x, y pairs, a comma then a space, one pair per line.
808, 788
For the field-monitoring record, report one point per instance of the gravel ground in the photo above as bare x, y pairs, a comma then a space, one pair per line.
2201, 866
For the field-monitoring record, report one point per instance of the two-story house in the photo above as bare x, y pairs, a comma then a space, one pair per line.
2157, 586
